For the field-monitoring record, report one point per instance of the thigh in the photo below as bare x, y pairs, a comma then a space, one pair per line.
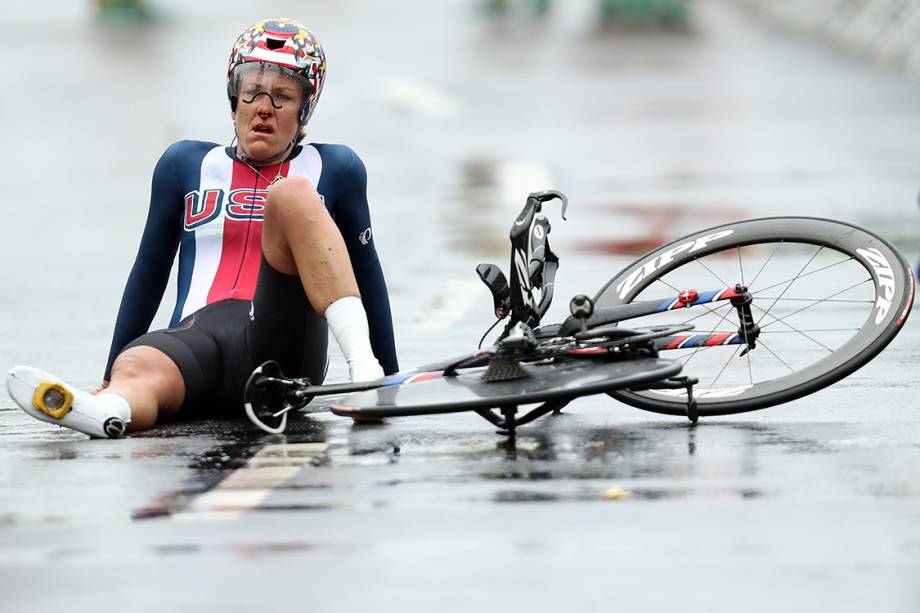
147, 371
194, 350
285, 328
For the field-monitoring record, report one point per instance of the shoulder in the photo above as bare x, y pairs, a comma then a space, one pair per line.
340, 161
179, 168
177, 172
184, 151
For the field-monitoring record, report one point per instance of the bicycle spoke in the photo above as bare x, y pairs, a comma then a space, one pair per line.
773, 353
665, 283
801, 276
791, 282
740, 265
710, 311
818, 330
817, 302
767, 312
724, 366
712, 272
774, 300
764, 265
843, 300
750, 368
786, 323
813, 303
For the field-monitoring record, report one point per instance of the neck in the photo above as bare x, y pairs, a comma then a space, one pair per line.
278, 157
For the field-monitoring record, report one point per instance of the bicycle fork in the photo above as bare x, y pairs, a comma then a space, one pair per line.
748, 330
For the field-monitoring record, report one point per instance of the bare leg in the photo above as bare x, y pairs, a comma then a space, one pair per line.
151, 383
300, 238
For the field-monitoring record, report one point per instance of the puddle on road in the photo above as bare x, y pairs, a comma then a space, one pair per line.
638, 493
244, 550
566, 461
256, 462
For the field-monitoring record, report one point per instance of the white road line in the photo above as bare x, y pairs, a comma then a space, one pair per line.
246, 488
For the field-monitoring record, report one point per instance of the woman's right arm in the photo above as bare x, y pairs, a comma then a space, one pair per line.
150, 272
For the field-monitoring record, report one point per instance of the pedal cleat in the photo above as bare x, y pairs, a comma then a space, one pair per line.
52, 399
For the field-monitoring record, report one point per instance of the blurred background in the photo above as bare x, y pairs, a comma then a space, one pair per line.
655, 117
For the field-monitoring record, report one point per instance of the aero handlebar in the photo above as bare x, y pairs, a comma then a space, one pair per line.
533, 264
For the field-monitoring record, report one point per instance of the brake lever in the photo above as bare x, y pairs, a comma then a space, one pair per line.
495, 280
546, 196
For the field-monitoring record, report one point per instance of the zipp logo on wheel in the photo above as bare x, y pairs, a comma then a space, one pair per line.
882, 268
649, 268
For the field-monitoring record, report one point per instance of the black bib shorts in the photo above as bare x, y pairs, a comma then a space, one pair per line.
217, 347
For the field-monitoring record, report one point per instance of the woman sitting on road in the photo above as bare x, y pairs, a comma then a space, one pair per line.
274, 244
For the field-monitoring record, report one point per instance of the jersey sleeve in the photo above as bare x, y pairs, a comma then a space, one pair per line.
352, 216
150, 273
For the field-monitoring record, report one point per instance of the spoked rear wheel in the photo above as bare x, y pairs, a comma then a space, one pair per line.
828, 297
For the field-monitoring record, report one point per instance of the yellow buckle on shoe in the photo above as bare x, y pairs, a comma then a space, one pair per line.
52, 399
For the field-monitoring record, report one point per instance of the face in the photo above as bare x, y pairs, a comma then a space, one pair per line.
267, 112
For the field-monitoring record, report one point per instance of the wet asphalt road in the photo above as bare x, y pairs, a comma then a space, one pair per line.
811, 505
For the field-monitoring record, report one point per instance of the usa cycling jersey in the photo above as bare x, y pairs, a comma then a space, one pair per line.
209, 205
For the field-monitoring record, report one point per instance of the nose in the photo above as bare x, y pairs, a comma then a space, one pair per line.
264, 104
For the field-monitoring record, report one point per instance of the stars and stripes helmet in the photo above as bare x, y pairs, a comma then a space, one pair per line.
289, 46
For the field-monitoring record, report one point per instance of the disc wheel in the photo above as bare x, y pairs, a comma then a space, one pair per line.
828, 297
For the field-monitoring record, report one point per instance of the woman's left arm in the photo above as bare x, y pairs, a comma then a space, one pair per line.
352, 216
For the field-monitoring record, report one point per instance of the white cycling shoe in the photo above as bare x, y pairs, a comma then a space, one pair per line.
46, 397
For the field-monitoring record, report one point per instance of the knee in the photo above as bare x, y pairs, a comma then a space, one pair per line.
129, 365
293, 199
143, 363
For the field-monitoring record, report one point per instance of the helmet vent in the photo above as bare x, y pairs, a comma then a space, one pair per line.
274, 43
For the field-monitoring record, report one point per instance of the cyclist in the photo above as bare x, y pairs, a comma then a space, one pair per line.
275, 249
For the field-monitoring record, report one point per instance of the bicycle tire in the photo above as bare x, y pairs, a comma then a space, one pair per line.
890, 296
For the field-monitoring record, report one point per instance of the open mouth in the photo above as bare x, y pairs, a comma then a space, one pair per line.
263, 129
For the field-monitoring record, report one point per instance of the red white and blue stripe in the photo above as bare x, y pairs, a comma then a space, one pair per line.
688, 298
700, 340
